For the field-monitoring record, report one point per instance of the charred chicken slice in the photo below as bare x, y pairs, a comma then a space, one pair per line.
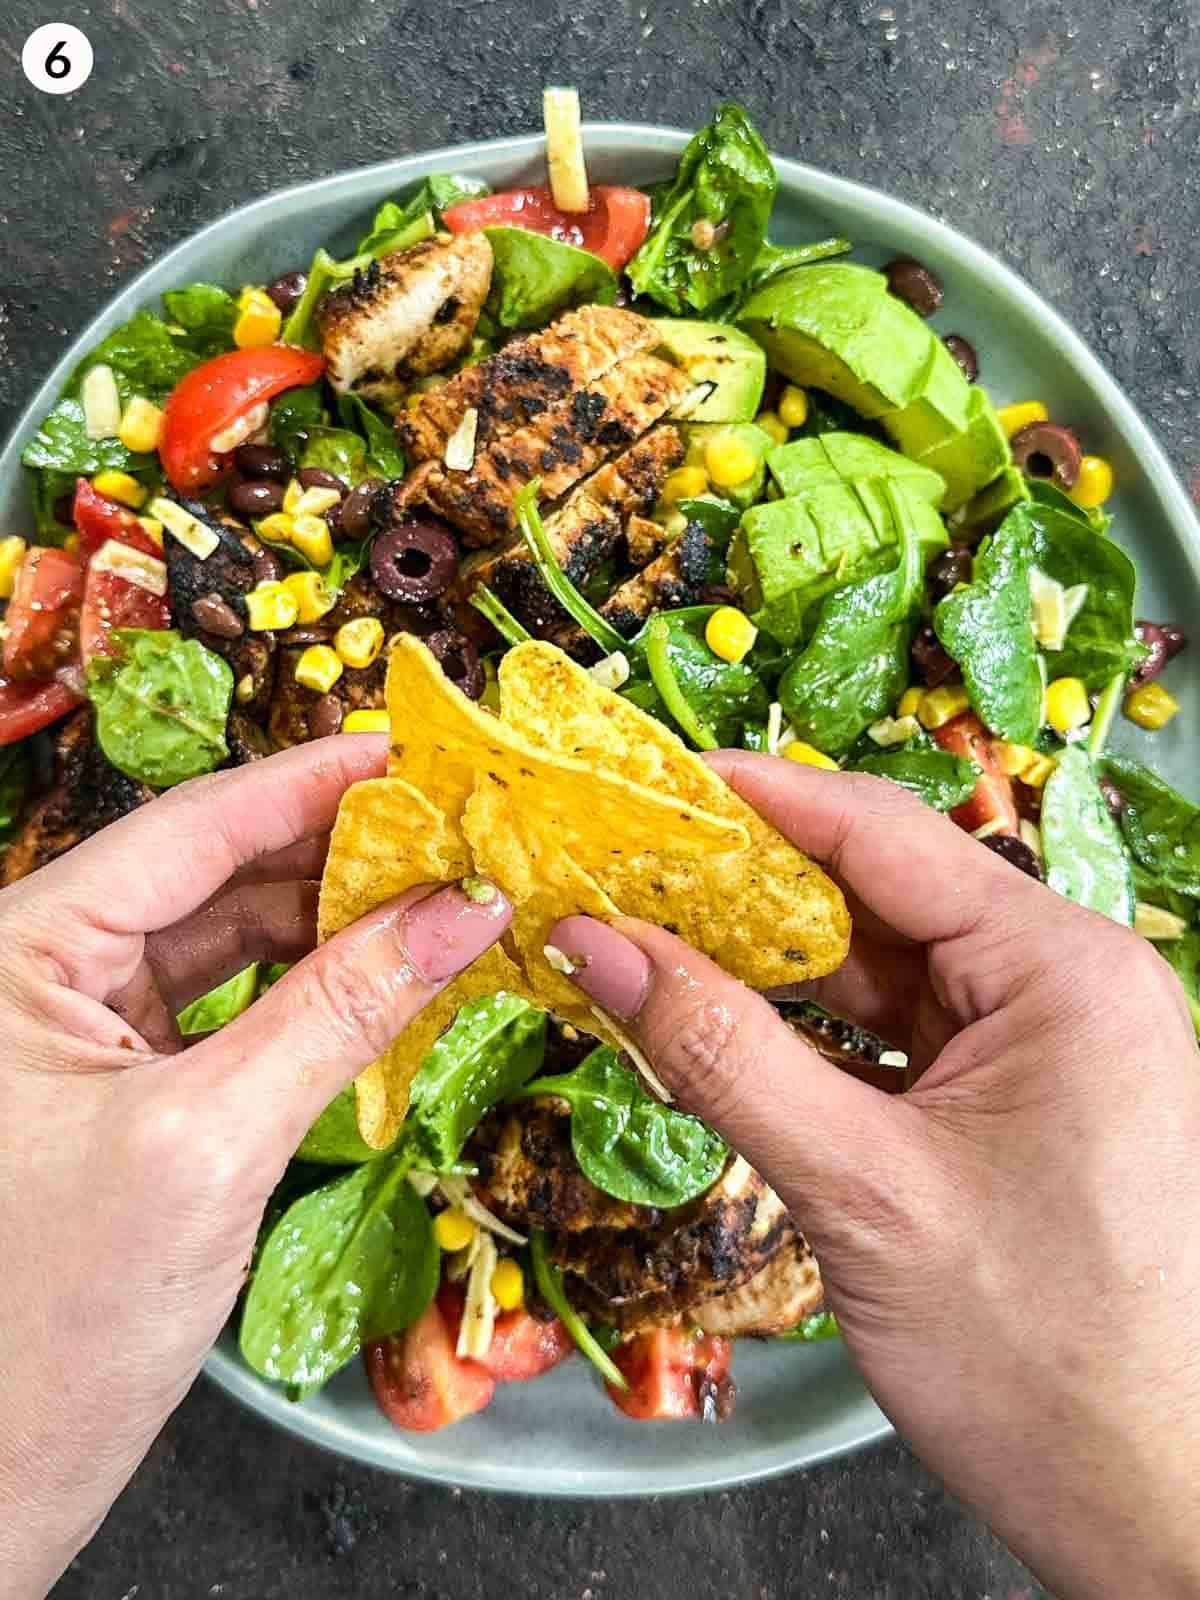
409, 314
783, 1293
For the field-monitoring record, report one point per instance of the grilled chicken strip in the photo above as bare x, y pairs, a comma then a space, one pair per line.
409, 314
775, 1299
88, 794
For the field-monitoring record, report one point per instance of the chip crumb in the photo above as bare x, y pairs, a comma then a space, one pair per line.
479, 891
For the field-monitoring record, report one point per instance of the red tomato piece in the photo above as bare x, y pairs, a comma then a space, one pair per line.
98, 519
993, 800
418, 1381
613, 226
43, 615
675, 1374
521, 1347
219, 393
26, 708
110, 601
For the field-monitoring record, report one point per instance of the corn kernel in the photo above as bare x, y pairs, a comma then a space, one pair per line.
1067, 704
1015, 417
508, 1285
1012, 759
269, 605
909, 703
277, 527
311, 594
120, 486
685, 483
71, 544
359, 642
808, 756
1038, 770
452, 1229
1155, 922
366, 721
793, 407
729, 461
244, 689
315, 502
1094, 484
12, 553
292, 495
729, 633
319, 668
259, 321
770, 423
1151, 706
154, 528
941, 705
311, 536
141, 426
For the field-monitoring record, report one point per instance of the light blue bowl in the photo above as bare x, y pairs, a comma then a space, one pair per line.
797, 1405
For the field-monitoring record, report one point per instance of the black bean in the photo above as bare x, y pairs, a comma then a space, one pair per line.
268, 568
64, 510
415, 560
1048, 450
459, 660
287, 290
325, 717
963, 352
932, 663
1164, 641
358, 506
1015, 851
217, 616
950, 569
914, 284
318, 478
254, 497
262, 461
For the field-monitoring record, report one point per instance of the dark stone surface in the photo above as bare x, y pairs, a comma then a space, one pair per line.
1060, 135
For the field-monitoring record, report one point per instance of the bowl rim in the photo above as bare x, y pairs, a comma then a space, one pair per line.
815, 187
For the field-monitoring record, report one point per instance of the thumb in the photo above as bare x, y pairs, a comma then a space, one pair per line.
837, 1151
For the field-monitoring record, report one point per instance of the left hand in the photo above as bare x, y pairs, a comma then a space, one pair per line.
133, 1173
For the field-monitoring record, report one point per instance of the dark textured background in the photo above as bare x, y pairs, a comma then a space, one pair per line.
1062, 136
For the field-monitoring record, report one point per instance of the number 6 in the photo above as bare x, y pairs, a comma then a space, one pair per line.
57, 63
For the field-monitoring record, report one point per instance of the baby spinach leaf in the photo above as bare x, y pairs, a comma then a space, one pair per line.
720, 696
334, 1139
725, 178
336, 450
293, 414
987, 627
1081, 845
943, 781
629, 1144
222, 1004
14, 785
1161, 826
326, 273
549, 1280
534, 278
161, 703
385, 459
61, 445
351, 1261
855, 666
816, 1329
492, 1047
1044, 493
437, 193
206, 314
773, 259
1184, 955
145, 356
1100, 642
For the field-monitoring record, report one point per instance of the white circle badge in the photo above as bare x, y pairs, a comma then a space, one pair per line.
57, 58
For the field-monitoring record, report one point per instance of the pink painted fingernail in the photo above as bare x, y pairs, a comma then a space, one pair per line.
449, 929
605, 964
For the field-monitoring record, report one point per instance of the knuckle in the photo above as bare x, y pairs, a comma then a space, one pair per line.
707, 1054
359, 1000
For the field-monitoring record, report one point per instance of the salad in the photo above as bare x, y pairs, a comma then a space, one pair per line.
751, 489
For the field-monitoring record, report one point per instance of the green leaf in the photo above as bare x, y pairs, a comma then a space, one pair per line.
1160, 825
334, 1139
161, 704
336, 450
293, 414
438, 192
629, 1144
1044, 493
534, 278
492, 1047
385, 459
325, 273
222, 1004
146, 358
14, 786
720, 695
549, 1280
206, 314
61, 445
1184, 955
943, 781
855, 666
725, 177
354, 1260
816, 1329
1100, 642
1081, 845
773, 259
988, 628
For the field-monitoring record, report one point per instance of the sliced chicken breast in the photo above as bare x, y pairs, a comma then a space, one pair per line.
775, 1299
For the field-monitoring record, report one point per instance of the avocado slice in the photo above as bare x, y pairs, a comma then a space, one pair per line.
803, 463
716, 353
970, 461
789, 554
991, 505
698, 436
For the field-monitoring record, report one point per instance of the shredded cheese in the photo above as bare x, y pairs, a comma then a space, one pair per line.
1049, 609
653, 1082
774, 726
458, 1193
1031, 836
423, 1182
564, 149
559, 960
241, 429
135, 566
691, 400
1153, 922
459, 454
893, 1058
479, 1313
193, 534
612, 672
889, 731
101, 402
991, 826
461, 1262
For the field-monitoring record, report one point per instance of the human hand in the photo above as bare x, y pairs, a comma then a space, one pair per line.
133, 1173
1010, 1247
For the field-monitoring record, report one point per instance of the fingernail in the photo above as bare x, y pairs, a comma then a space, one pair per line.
605, 964
449, 929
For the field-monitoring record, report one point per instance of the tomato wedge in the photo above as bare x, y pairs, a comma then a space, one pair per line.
110, 601
98, 519
43, 614
418, 1381
26, 708
218, 394
994, 801
675, 1374
613, 226
521, 1347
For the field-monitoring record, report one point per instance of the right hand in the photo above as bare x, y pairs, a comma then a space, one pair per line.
1010, 1248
